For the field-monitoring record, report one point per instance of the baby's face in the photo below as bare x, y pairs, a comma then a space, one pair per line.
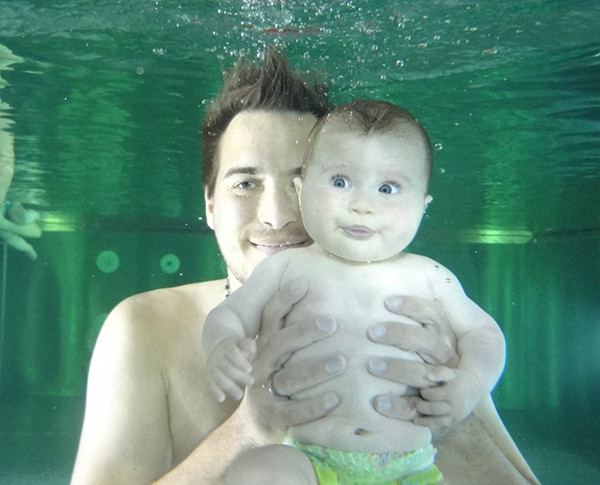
363, 196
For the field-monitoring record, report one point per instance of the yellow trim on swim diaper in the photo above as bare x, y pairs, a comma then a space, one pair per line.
338, 467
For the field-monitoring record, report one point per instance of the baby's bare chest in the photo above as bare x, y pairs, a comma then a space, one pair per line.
354, 294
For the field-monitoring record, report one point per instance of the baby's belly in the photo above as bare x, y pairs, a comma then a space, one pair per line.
366, 436
354, 424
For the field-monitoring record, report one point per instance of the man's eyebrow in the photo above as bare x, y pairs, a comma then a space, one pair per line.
254, 171
241, 171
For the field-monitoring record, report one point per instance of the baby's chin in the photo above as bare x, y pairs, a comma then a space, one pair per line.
362, 258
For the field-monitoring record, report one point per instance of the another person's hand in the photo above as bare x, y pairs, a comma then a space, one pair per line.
228, 367
271, 397
19, 223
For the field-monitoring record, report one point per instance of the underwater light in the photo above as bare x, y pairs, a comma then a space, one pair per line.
56, 222
496, 236
481, 236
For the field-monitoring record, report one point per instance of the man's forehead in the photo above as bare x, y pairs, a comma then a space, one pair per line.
260, 142
268, 122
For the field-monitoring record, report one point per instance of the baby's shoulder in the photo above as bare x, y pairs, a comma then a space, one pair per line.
277, 265
418, 262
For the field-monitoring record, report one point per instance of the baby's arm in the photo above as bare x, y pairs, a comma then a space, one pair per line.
231, 327
480, 346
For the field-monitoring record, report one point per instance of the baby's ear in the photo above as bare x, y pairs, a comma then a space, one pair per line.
298, 184
428, 200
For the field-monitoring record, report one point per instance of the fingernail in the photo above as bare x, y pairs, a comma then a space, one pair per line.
383, 404
331, 401
377, 331
326, 324
335, 365
377, 365
394, 301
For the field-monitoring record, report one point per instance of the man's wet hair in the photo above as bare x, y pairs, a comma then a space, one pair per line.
250, 86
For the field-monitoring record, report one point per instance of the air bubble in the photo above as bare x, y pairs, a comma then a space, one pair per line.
490, 51
438, 146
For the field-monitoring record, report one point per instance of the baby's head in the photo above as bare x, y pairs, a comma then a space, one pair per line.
364, 183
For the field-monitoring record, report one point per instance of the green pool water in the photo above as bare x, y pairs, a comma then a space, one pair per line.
103, 100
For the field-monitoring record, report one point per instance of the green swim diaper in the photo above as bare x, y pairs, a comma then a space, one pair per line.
354, 468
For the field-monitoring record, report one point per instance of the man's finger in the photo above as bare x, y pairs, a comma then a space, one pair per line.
410, 373
396, 407
299, 376
426, 312
297, 412
290, 339
425, 342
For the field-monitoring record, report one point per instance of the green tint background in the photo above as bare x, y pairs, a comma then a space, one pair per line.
105, 110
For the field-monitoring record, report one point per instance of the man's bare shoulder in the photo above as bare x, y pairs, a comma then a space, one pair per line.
166, 311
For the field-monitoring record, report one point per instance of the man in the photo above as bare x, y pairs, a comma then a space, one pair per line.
149, 413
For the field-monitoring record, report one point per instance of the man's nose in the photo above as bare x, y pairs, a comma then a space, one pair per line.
278, 207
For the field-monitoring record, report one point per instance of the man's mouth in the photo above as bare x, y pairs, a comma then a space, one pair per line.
358, 232
272, 247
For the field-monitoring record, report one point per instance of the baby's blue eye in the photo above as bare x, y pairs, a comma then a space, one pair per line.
389, 188
340, 182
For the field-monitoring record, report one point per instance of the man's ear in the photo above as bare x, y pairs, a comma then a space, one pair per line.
298, 184
209, 210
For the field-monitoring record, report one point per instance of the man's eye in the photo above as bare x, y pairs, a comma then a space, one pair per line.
245, 185
340, 182
389, 188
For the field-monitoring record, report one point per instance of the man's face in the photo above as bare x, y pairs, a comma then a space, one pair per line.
254, 208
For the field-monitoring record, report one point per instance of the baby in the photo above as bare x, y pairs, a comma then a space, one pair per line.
363, 192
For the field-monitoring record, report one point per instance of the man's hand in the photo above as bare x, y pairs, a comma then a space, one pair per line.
431, 337
415, 375
276, 408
